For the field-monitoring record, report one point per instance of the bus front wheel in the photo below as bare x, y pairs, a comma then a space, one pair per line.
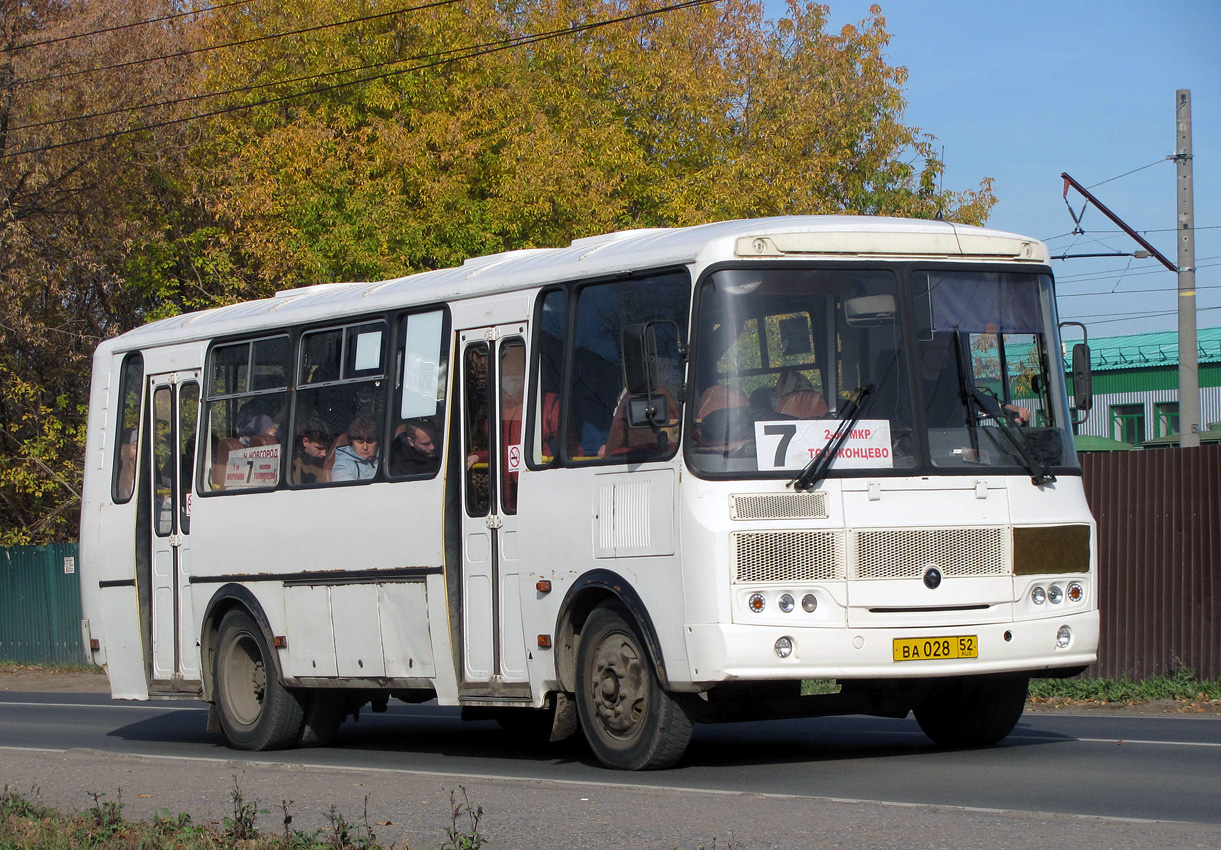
630, 721
256, 712
973, 712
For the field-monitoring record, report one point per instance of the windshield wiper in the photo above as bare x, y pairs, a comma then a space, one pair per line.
816, 470
981, 402
990, 406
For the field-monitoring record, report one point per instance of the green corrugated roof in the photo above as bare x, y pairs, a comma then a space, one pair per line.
1135, 351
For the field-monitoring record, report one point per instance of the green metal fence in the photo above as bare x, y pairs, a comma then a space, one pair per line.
40, 605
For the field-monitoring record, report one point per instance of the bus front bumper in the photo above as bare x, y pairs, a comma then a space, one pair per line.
726, 653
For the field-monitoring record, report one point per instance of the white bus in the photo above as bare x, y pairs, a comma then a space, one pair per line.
654, 478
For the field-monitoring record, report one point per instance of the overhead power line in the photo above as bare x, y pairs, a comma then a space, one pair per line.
471, 53
120, 27
178, 55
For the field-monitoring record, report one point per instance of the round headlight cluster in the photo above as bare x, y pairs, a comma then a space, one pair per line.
1057, 594
786, 602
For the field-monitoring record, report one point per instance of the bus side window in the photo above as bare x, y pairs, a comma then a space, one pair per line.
417, 436
598, 395
131, 383
246, 413
341, 403
552, 326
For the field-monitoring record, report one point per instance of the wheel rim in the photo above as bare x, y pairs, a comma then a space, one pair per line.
619, 686
245, 680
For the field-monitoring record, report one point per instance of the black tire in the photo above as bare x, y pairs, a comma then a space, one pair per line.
256, 712
630, 722
973, 712
324, 712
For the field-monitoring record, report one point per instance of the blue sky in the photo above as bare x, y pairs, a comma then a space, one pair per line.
1022, 91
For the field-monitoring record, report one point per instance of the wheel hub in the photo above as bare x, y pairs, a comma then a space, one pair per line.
619, 686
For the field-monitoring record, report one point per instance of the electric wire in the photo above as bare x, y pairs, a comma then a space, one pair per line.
1126, 173
473, 53
269, 36
59, 39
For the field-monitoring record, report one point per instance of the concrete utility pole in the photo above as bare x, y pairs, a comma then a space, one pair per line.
1189, 379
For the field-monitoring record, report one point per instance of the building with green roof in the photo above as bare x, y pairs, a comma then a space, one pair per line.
1136, 385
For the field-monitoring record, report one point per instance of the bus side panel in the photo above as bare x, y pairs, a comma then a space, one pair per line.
565, 533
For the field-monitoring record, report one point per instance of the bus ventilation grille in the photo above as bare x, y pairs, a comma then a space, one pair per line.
908, 553
779, 506
787, 556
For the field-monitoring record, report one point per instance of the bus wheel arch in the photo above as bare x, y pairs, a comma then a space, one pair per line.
224, 600
591, 590
254, 709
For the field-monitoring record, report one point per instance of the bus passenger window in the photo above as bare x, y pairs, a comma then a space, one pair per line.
247, 408
126, 447
416, 442
341, 405
549, 343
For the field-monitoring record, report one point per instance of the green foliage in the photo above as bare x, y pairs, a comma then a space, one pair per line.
463, 832
29, 826
458, 138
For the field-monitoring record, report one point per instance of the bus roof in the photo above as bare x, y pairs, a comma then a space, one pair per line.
845, 237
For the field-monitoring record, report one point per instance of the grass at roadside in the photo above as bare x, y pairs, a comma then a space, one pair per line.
27, 825
24, 667
1183, 687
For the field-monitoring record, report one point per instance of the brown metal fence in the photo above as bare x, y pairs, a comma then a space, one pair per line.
1159, 560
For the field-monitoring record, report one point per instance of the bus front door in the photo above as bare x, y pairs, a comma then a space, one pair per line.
174, 414
493, 643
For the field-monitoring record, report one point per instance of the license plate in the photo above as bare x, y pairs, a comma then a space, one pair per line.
936, 649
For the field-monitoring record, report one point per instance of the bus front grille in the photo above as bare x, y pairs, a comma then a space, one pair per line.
779, 506
908, 553
787, 556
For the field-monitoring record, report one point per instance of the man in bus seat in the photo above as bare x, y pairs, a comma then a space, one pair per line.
414, 450
719, 396
943, 402
309, 458
357, 461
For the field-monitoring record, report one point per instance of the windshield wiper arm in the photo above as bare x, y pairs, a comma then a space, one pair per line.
990, 406
816, 470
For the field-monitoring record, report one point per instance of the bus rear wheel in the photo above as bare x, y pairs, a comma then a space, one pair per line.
256, 712
630, 721
973, 712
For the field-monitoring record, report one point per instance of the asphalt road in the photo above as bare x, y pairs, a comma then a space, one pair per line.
1074, 781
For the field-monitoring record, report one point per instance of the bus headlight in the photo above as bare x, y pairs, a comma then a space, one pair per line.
1055, 595
809, 603
756, 603
785, 602
1038, 596
784, 646
1064, 637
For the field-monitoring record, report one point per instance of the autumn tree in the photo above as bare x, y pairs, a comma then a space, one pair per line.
488, 126
75, 202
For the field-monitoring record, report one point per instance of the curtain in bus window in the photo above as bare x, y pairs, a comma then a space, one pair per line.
984, 302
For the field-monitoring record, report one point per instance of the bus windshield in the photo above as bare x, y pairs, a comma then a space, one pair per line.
781, 355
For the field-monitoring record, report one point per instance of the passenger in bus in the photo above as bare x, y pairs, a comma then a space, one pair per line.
357, 461
309, 459
127, 464
414, 451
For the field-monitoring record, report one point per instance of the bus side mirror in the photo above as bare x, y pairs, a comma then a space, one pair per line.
1083, 390
640, 359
